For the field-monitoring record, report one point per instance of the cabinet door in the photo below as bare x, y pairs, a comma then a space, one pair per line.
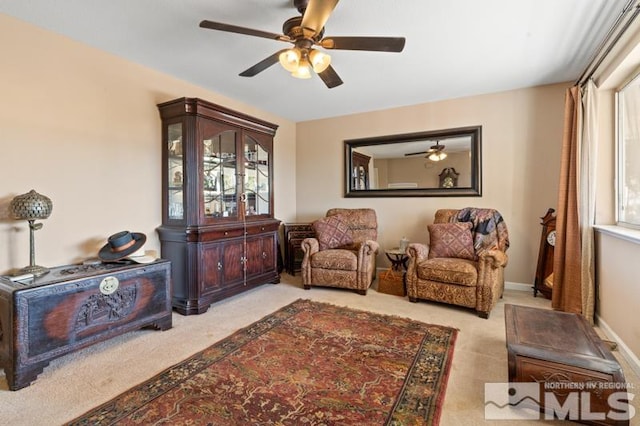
211, 264
257, 175
260, 254
175, 172
218, 171
234, 261
254, 256
269, 253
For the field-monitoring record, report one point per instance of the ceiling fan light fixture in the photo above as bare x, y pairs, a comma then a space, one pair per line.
320, 61
437, 156
290, 59
305, 32
304, 69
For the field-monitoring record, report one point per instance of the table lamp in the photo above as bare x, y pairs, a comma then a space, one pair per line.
32, 206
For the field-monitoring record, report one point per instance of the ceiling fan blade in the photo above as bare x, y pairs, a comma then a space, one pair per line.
317, 13
330, 77
416, 153
242, 30
262, 65
377, 44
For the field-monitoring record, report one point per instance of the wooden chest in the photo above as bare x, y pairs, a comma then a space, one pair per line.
562, 353
76, 306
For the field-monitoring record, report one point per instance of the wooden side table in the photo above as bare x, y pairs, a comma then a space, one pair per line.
393, 280
294, 234
398, 258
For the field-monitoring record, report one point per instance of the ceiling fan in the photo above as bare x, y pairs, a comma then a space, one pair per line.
434, 153
306, 32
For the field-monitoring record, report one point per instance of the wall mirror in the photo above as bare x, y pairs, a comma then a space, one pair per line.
439, 163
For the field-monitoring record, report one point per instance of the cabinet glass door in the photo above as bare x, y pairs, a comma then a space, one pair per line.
175, 175
256, 180
219, 184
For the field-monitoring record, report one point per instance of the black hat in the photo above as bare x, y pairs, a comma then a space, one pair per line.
121, 245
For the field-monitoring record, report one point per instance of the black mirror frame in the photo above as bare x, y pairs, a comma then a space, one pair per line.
475, 190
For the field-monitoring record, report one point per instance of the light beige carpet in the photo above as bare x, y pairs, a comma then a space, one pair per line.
77, 382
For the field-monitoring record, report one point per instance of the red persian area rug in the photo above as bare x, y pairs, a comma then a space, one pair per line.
308, 363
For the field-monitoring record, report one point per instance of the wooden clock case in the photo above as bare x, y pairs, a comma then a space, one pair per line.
545, 255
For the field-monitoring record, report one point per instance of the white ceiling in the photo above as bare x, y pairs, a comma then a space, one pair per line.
454, 48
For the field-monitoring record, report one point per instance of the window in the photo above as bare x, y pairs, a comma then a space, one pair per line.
628, 140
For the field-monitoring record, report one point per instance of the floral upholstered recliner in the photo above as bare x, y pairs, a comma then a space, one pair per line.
343, 254
464, 263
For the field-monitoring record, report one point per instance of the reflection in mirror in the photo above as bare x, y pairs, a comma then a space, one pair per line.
435, 163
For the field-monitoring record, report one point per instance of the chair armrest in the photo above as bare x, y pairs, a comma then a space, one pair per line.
368, 248
417, 252
490, 280
493, 259
310, 246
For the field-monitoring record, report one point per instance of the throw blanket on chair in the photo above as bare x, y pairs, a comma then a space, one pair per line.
489, 229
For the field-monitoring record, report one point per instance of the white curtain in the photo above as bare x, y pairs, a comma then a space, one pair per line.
586, 180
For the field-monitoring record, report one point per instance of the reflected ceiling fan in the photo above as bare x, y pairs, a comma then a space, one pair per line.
435, 152
306, 32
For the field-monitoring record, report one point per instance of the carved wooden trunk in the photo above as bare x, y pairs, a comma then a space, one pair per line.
572, 366
76, 306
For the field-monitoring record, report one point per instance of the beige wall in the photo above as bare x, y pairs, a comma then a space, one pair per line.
618, 290
521, 147
81, 126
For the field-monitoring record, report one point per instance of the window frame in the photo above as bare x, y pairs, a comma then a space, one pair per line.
620, 152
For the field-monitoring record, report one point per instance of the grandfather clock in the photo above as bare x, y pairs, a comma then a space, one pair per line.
448, 178
544, 272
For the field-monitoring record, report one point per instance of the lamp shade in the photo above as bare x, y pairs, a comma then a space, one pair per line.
304, 69
437, 156
31, 206
319, 61
289, 59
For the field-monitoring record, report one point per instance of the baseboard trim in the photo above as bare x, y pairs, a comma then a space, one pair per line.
507, 284
628, 355
518, 286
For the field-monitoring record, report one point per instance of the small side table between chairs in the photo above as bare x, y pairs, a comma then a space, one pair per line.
398, 258
392, 281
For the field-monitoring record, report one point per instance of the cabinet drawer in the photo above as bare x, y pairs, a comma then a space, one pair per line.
208, 234
223, 233
255, 229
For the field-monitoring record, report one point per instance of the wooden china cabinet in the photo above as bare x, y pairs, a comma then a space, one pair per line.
217, 228
360, 170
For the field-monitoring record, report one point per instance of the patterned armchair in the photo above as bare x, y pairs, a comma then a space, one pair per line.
464, 263
344, 251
